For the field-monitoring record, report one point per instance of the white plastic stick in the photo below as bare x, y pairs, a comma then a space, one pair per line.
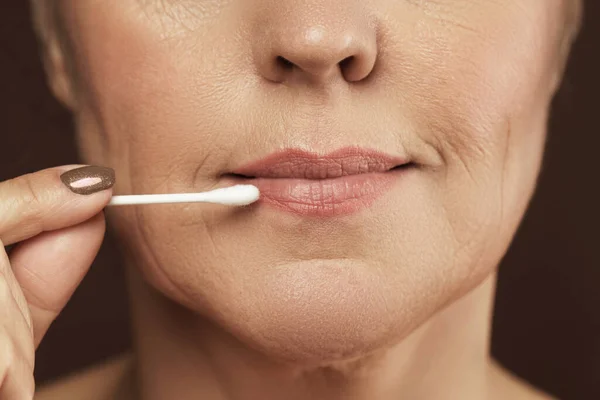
238, 195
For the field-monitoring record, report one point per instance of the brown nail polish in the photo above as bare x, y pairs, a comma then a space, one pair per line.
88, 180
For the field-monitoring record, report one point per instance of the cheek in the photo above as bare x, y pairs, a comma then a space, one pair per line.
463, 70
477, 91
160, 95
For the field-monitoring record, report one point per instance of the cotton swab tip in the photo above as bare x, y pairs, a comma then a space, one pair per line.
238, 195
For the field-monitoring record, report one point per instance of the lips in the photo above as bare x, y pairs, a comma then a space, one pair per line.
339, 183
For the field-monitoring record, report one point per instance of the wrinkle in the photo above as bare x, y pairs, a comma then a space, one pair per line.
138, 226
456, 144
220, 255
182, 16
503, 174
145, 242
199, 168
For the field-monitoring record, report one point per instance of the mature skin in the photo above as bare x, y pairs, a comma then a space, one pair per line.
392, 302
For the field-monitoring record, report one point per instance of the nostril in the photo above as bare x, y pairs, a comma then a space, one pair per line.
346, 62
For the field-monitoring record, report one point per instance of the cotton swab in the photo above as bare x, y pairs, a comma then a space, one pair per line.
238, 195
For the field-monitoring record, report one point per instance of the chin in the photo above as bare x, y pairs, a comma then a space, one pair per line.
318, 312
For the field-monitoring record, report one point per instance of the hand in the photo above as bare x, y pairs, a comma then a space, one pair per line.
58, 226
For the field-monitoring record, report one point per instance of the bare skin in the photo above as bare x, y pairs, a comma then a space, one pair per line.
393, 300
110, 382
115, 379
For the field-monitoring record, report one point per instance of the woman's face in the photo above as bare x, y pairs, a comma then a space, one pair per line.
175, 94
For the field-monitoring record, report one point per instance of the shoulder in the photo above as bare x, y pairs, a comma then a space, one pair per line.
98, 382
506, 385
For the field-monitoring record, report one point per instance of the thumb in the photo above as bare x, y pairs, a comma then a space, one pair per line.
50, 266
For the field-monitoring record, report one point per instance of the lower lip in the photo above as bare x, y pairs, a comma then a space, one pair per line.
324, 197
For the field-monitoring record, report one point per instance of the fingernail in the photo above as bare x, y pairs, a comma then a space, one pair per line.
89, 179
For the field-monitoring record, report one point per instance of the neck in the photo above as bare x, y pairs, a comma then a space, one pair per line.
181, 355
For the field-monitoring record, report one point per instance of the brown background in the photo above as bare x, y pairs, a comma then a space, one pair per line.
547, 320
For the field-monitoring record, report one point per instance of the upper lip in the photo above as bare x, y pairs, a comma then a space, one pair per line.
297, 163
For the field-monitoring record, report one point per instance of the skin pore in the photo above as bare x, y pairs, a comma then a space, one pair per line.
392, 302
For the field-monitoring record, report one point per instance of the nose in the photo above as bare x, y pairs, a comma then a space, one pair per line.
315, 42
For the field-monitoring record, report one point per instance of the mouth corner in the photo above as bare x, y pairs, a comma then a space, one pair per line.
405, 165
236, 176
